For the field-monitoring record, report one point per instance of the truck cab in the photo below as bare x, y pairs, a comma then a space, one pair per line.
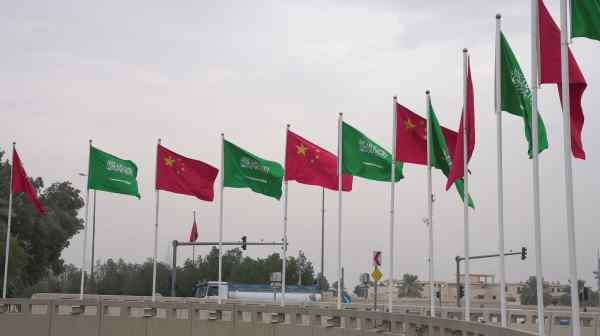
210, 290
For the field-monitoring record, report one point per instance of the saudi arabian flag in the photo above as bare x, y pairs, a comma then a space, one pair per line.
585, 19
440, 157
362, 157
110, 173
245, 170
516, 96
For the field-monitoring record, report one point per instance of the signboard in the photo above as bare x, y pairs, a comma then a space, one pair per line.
364, 278
376, 258
376, 274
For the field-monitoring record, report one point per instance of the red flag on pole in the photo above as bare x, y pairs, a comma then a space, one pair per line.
550, 74
308, 163
411, 136
458, 167
21, 183
194, 233
179, 174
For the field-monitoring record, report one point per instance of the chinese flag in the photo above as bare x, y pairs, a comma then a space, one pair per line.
308, 163
550, 73
411, 137
458, 167
21, 183
181, 175
194, 233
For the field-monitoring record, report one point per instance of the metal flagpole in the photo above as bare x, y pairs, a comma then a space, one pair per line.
93, 238
564, 61
285, 207
221, 215
498, 108
7, 251
339, 247
322, 240
194, 246
392, 204
85, 229
155, 229
430, 208
466, 197
536, 169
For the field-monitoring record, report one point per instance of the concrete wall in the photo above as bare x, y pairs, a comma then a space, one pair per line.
105, 317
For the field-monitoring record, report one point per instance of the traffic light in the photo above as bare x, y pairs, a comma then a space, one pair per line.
523, 253
244, 246
438, 294
461, 291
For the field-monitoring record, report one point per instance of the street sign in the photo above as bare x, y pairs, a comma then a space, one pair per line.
376, 258
376, 274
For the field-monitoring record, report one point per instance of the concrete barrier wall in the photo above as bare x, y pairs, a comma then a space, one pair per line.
120, 318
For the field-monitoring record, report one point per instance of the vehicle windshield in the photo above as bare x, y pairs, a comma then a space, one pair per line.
213, 291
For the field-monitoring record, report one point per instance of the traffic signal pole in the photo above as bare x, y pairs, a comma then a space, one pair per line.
458, 259
243, 243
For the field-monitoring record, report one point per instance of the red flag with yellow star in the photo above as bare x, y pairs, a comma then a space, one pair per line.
181, 175
308, 163
411, 136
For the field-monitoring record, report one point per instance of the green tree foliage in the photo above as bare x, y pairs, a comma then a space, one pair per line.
411, 287
117, 277
529, 293
38, 240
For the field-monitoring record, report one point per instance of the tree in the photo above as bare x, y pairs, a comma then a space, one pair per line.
42, 238
410, 287
565, 299
323, 282
529, 293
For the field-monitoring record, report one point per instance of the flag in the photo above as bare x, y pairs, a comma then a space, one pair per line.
21, 183
550, 73
457, 169
110, 173
246, 170
516, 96
411, 136
194, 233
308, 163
585, 19
440, 156
363, 157
181, 175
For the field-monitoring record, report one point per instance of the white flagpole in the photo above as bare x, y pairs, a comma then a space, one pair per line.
430, 208
536, 166
155, 230
392, 206
7, 251
339, 272
466, 191
498, 108
564, 61
194, 246
221, 215
85, 229
285, 208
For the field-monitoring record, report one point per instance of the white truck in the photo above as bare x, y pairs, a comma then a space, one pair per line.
257, 293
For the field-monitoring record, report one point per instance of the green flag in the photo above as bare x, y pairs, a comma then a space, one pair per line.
246, 170
585, 19
440, 157
516, 96
362, 157
110, 173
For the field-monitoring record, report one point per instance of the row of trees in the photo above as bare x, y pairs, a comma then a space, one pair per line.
117, 277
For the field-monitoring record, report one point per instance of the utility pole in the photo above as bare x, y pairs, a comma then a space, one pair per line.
597, 275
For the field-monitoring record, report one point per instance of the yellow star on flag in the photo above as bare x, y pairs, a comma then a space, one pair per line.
169, 161
301, 150
408, 124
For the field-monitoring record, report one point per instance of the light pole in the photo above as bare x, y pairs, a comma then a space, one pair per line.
93, 232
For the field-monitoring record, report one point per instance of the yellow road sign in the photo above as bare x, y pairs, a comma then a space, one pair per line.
376, 274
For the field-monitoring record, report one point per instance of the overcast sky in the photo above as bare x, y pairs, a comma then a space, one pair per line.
125, 73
